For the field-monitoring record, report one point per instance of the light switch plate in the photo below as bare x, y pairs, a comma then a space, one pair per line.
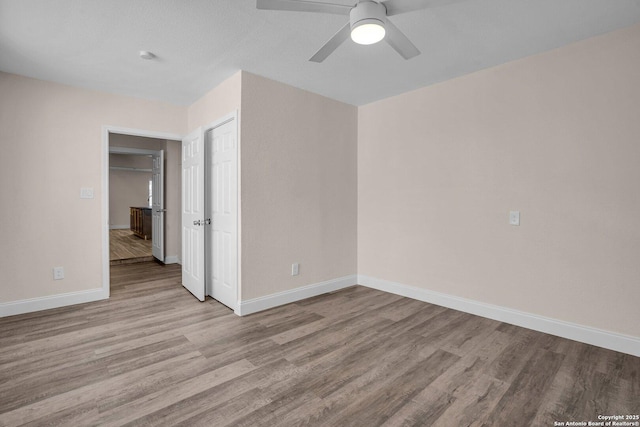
514, 217
86, 193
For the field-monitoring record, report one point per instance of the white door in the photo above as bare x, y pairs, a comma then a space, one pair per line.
157, 206
193, 213
222, 235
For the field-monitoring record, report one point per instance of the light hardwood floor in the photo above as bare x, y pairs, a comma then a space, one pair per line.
153, 355
127, 248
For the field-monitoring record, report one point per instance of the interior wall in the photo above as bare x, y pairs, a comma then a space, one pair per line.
297, 181
554, 136
217, 103
298, 175
51, 137
127, 188
173, 201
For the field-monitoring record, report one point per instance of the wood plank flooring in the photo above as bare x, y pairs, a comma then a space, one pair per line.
153, 355
127, 248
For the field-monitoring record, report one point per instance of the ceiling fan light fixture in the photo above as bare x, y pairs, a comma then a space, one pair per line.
367, 20
368, 31
368, 23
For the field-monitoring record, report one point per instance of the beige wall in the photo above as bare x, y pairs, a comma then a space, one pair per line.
173, 200
127, 187
220, 101
298, 179
51, 138
555, 136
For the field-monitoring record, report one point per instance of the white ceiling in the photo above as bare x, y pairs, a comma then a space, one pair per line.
199, 43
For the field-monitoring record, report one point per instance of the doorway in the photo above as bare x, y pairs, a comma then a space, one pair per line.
145, 152
136, 189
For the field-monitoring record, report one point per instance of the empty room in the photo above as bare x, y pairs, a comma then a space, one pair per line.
322, 213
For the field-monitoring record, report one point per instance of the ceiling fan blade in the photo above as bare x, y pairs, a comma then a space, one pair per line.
399, 41
333, 43
396, 7
303, 6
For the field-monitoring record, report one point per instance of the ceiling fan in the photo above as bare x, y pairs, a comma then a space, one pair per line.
368, 22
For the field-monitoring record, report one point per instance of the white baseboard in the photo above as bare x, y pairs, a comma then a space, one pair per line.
172, 259
54, 301
119, 227
613, 341
274, 300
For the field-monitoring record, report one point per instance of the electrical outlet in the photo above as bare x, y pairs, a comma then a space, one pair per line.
514, 217
295, 269
58, 273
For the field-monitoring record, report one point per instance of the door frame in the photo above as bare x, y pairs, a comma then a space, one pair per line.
106, 131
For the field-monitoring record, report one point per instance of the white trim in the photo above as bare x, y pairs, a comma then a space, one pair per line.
238, 119
141, 132
586, 334
222, 120
274, 300
119, 227
106, 265
53, 301
172, 259
106, 130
